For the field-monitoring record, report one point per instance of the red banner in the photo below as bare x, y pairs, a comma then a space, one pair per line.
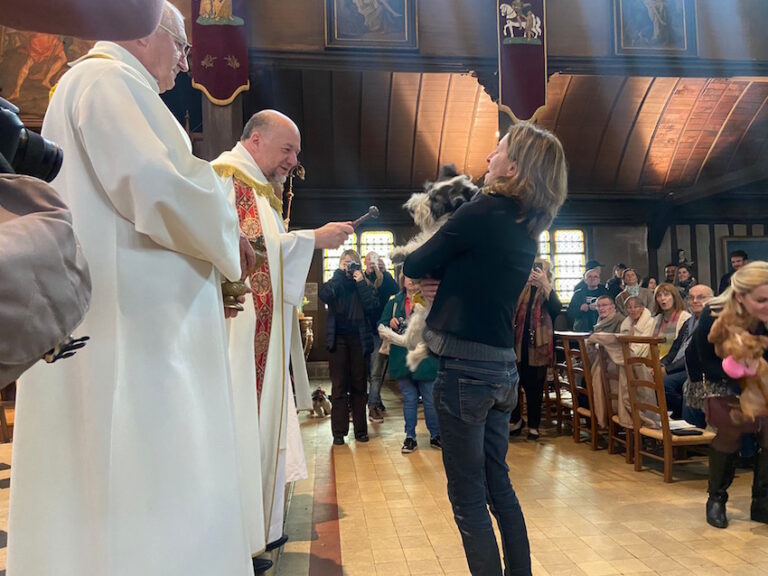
220, 53
522, 57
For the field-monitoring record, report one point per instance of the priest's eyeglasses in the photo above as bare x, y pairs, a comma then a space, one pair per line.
183, 46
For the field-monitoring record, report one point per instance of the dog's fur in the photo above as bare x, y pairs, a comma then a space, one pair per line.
731, 338
320, 403
430, 210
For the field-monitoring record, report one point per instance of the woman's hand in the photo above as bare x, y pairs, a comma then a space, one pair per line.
394, 323
358, 276
540, 280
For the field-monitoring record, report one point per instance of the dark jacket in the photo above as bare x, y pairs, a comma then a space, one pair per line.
427, 369
584, 321
668, 362
725, 282
384, 292
482, 257
353, 301
701, 360
614, 287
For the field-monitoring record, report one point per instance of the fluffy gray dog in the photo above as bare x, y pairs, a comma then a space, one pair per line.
430, 210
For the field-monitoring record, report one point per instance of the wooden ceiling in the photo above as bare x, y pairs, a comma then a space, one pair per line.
624, 136
686, 136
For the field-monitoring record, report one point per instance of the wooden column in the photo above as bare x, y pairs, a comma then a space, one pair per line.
222, 127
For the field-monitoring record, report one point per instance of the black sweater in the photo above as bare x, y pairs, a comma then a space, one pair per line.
482, 257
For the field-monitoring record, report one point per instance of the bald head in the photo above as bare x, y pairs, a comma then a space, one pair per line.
698, 296
274, 142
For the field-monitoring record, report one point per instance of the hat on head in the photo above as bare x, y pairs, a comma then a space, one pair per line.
592, 264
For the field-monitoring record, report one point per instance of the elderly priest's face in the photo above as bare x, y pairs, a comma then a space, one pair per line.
167, 52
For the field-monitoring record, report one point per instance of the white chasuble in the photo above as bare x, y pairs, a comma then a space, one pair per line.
289, 256
124, 457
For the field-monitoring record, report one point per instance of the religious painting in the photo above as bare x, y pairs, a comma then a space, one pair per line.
756, 248
371, 24
30, 65
655, 27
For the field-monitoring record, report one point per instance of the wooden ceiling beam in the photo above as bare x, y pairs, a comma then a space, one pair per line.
708, 188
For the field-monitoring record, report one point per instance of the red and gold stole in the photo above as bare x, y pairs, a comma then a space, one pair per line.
261, 281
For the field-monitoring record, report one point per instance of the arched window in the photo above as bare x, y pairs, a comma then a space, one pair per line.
570, 259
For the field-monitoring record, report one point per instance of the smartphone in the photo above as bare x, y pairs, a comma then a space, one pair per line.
538, 266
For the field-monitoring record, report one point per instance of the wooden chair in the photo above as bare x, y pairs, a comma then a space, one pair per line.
616, 432
656, 405
551, 395
561, 396
580, 378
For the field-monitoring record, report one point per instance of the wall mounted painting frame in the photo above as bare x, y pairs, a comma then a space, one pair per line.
371, 24
655, 27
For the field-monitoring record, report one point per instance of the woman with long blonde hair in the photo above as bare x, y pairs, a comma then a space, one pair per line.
483, 257
744, 304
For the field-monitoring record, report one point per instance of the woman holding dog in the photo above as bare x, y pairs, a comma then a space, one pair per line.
483, 256
744, 304
349, 340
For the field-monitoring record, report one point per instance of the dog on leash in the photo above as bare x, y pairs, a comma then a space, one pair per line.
430, 210
320, 403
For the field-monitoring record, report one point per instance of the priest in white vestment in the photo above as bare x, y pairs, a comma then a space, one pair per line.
124, 456
264, 341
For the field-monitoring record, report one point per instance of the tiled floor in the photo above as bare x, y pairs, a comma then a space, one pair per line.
587, 512
367, 509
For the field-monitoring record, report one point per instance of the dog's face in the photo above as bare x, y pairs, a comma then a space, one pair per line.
744, 346
438, 199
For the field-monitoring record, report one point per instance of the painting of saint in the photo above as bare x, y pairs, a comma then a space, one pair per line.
666, 26
371, 23
31, 63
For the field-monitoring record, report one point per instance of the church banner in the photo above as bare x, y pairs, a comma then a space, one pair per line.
522, 57
220, 53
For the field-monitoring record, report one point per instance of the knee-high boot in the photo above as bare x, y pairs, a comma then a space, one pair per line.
722, 467
759, 510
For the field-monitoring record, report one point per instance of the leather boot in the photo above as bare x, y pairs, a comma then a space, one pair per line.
722, 467
759, 510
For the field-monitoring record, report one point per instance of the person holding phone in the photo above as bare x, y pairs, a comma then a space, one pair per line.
537, 308
349, 339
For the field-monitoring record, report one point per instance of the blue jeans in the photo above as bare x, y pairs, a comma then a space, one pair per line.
376, 363
411, 390
474, 401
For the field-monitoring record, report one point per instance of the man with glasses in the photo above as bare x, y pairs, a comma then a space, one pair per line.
673, 364
125, 456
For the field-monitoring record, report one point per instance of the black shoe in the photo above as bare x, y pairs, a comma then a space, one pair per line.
534, 436
338, 440
362, 437
277, 543
722, 467
716, 513
516, 429
408, 446
382, 407
261, 565
436, 443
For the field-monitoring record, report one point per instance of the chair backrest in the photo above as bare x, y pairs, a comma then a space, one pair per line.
560, 371
578, 365
645, 381
609, 394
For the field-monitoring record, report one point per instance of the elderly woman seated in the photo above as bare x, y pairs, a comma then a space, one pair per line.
632, 288
608, 319
638, 322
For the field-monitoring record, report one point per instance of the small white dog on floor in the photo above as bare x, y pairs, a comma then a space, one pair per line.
320, 403
430, 210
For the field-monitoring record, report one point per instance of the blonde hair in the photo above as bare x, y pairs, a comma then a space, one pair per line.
743, 281
667, 288
351, 253
545, 265
541, 181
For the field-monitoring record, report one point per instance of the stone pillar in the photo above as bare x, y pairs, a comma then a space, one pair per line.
222, 127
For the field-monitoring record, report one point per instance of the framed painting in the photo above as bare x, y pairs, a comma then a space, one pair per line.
655, 27
756, 248
371, 24
30, 65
